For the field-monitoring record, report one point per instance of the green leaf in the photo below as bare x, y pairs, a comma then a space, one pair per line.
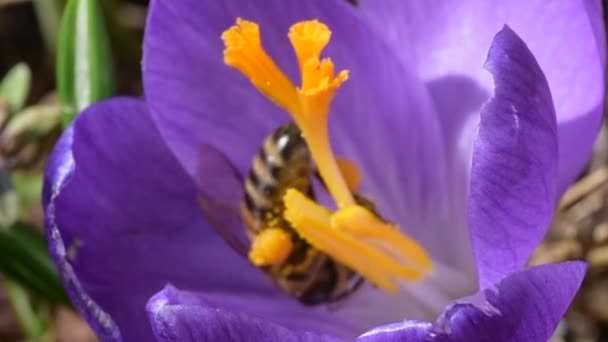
27, 185
33, 326
9, 201
49, 15
24, 258
15, 86
84, 65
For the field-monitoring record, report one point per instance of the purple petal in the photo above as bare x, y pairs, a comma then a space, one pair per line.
123, 221
514, 172
186, 316
382, 117
524, 306
447, 41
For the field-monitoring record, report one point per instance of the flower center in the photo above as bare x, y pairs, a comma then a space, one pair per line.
352, 235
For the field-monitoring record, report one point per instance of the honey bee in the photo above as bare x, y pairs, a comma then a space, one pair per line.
282, 162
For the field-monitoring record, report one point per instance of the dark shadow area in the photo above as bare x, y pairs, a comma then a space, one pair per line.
455, 98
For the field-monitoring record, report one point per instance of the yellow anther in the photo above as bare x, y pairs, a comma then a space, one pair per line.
271, 246
350, 172
314, 223
362, 224
244, 52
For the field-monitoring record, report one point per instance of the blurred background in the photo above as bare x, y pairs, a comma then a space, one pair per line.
33, 306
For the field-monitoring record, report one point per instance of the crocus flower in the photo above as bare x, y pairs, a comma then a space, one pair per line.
466, 158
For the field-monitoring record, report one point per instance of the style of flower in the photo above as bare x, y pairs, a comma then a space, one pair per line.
468, 164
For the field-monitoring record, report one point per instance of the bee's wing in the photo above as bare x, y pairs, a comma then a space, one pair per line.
221, 194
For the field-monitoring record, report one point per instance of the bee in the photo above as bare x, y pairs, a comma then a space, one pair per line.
282, 162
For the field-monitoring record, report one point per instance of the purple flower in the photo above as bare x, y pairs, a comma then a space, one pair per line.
467, 162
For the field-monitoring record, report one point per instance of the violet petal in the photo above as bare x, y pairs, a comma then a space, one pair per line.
382, 118
123, 220
447, 42
178, 315
524, 306
514, 172
197, 99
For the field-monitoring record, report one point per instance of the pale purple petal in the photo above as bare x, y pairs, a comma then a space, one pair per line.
447, 42
514, 172
382, 118
525, 306
370, 307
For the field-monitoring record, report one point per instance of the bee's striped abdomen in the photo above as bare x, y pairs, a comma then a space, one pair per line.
282, 162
